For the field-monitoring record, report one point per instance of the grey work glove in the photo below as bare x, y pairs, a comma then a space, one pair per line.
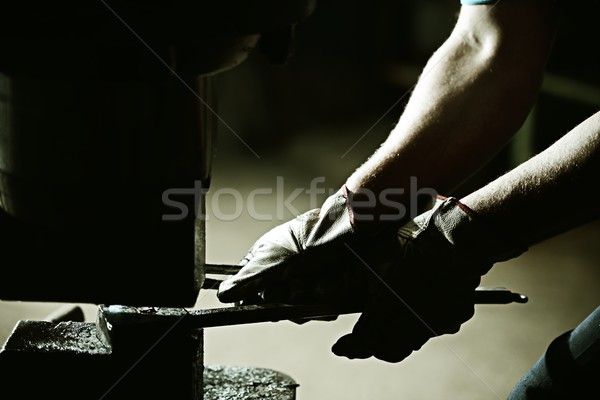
429, 289
303, 261
414, 283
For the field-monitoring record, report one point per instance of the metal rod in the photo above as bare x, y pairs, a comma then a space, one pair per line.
497, 295
249, 314
221, 269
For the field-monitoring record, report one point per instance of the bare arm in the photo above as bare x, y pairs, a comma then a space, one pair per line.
548, 194
472, 96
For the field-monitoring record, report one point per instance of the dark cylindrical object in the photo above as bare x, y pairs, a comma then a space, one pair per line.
106, 142
568, 369
100, 186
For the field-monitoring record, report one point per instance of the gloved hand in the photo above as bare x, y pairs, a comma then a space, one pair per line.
303, 261
429, 289
414, 283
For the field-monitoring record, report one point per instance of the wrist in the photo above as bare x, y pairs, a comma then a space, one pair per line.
473, 236
375, 210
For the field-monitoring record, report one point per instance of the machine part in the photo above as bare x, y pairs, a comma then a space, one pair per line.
72, 361
145, 351
245, 383
106, 142
101, 189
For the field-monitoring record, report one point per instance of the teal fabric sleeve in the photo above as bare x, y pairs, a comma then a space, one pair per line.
472, 2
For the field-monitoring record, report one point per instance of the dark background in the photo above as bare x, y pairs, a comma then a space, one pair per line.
320, 115
358, 60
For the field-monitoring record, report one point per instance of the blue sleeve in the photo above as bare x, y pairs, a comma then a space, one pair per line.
473, 2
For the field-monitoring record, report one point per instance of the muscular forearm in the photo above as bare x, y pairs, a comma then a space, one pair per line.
549, 193
472, 96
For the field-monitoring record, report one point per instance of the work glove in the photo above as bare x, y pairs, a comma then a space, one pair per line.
429, 290
413, 282
303, 261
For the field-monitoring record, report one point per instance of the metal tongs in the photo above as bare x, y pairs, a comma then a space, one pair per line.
248, 314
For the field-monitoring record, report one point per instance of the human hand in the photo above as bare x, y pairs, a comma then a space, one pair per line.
430, 289
413, 283
303, 261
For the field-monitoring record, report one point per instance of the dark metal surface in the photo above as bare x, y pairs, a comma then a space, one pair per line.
148, 351
246, 383
106, 128
70, 361
73, 361
100, 189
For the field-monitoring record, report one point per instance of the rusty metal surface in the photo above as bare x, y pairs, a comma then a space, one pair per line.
247, 383
49, 337
69, 360
39, 354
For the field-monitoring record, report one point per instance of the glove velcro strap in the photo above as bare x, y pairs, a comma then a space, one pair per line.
468, 239
472, 238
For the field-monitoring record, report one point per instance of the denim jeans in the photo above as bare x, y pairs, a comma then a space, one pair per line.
568, 369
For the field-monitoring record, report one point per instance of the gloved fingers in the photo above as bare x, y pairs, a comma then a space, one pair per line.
293, 288
326, 287
392, 327
378, 332
372, 336
315, 276
264, 264
350, 346
242, 286
314, 290
260, 270
353, 347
